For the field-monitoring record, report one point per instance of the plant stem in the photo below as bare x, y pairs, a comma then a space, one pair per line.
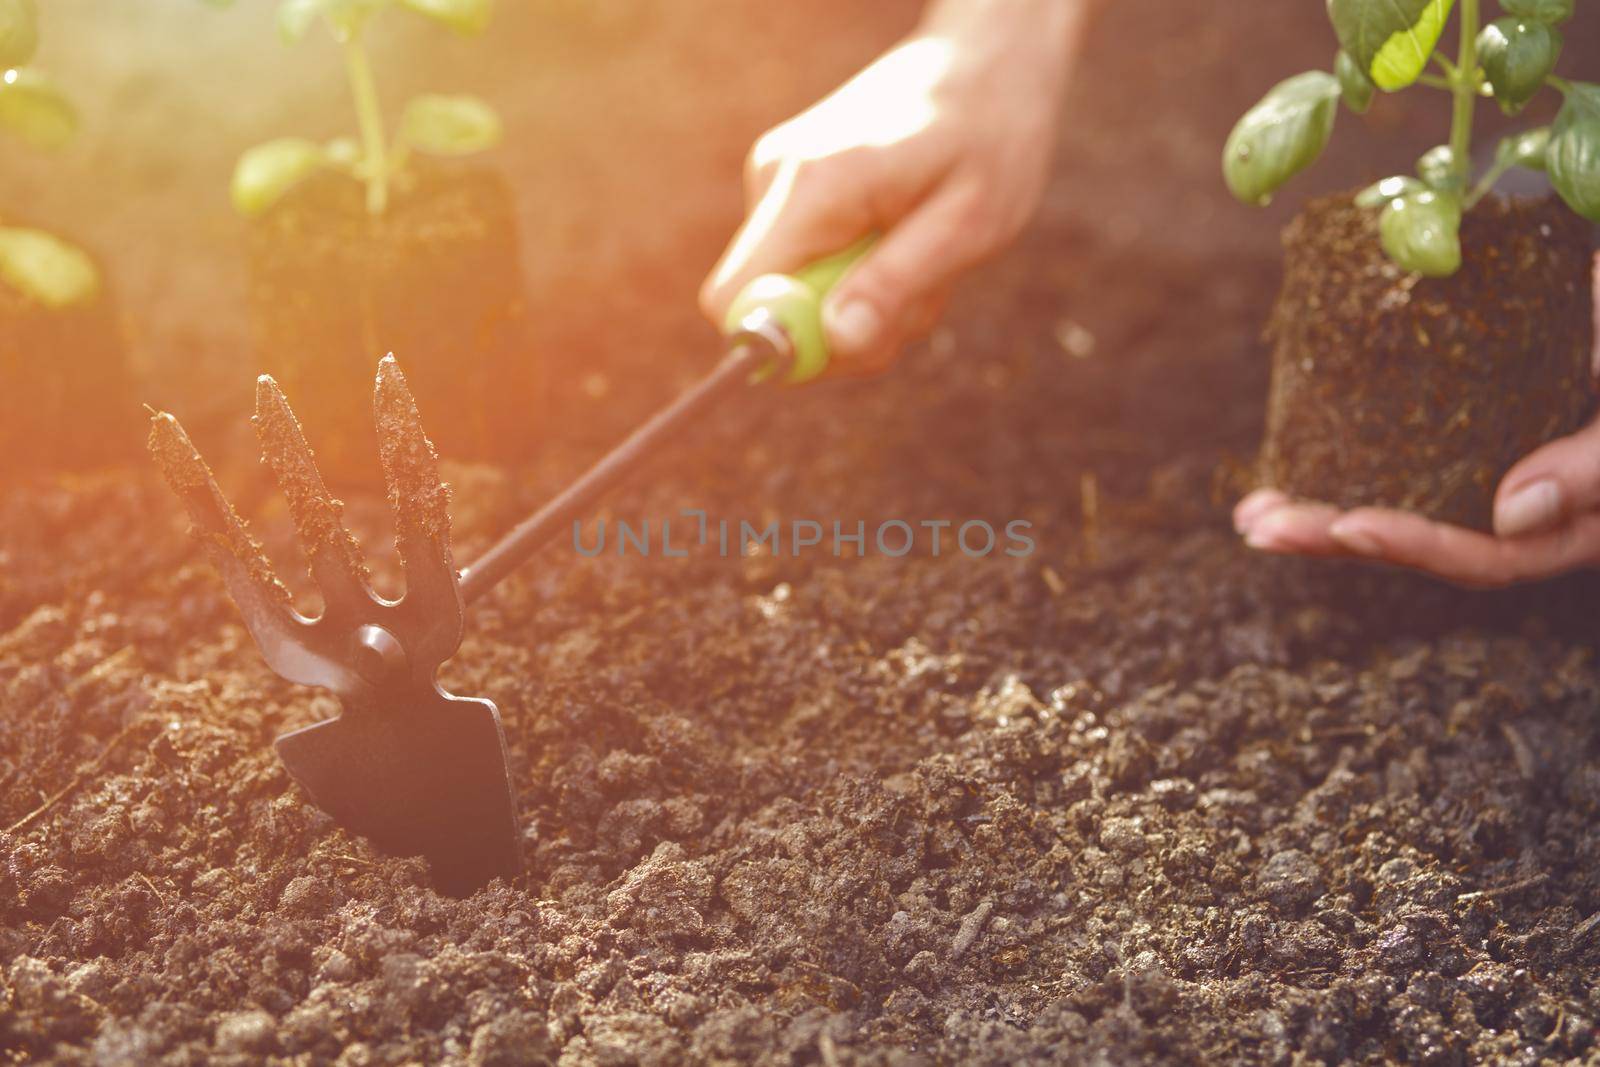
374, 153
1485, 185
1465, 89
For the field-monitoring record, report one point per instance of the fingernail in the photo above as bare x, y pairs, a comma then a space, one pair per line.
1355, 539
852, 326
1528, 510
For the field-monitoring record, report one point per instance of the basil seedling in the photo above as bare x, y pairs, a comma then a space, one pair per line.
36, 263
432, 124
1389, 45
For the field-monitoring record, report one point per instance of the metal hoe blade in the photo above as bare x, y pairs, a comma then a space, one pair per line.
412, 767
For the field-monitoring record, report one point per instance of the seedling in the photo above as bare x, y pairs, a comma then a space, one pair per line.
1389, 45
38, 264
433, 124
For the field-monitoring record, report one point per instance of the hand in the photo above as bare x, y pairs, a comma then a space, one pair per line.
942, 145
1546, 521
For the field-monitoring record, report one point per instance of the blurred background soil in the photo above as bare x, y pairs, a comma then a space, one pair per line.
1137, 797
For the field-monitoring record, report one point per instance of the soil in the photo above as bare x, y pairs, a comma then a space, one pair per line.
65, 391
1138, 797
1420, 393
436, 280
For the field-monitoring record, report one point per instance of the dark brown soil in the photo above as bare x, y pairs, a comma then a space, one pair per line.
1420, 393
437, 280
65, 396
1140, 797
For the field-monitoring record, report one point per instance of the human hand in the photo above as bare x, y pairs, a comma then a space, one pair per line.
942, 145
1546, 522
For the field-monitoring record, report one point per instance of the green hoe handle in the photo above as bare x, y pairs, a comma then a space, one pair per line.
794, 301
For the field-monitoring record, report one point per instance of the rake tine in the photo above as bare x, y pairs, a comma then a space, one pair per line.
421, 505
263, 601
334, 555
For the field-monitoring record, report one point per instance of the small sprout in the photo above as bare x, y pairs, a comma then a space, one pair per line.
46, 268
1422, 232
42, 267
1388, 44
432, 124
19, 32
1354, 84
1517, 56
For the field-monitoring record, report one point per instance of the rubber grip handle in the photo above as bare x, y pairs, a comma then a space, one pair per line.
795, 302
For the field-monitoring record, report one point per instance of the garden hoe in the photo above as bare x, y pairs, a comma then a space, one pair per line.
418, 770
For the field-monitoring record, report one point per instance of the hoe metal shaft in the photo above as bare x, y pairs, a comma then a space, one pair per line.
745, 359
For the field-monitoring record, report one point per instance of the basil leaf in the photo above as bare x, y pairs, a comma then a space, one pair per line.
1354, 84
46, 268
268, 171
19, 32
1381, 193
1423, 233
1526, 149
449, 125
1281, 136
463, 16
1517, 56
35, 110
1550, 11
1573, 157
1391, 40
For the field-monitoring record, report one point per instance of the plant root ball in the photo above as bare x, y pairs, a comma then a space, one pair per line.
1393, 389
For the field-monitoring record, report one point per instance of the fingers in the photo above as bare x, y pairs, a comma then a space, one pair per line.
1294, 528
807, 210
1257, 504
1271, 522
1557, 481
1466, 556
885, 299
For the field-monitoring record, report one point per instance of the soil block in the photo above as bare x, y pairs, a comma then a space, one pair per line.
1389, 388
436, 280
65, 401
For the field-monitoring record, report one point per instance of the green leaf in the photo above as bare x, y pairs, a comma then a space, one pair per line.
1525, 149
296, 16
1422, 232
449, 125
19, 32
1380, 193
1280, 136
463, 16
1354, 84
1437, 167
347, 18
268, 171
1573, 157
1548, 11
1517, 56
35, 110
46, 268
1391, 40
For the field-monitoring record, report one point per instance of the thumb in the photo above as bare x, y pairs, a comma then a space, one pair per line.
874, 304
1548, 487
